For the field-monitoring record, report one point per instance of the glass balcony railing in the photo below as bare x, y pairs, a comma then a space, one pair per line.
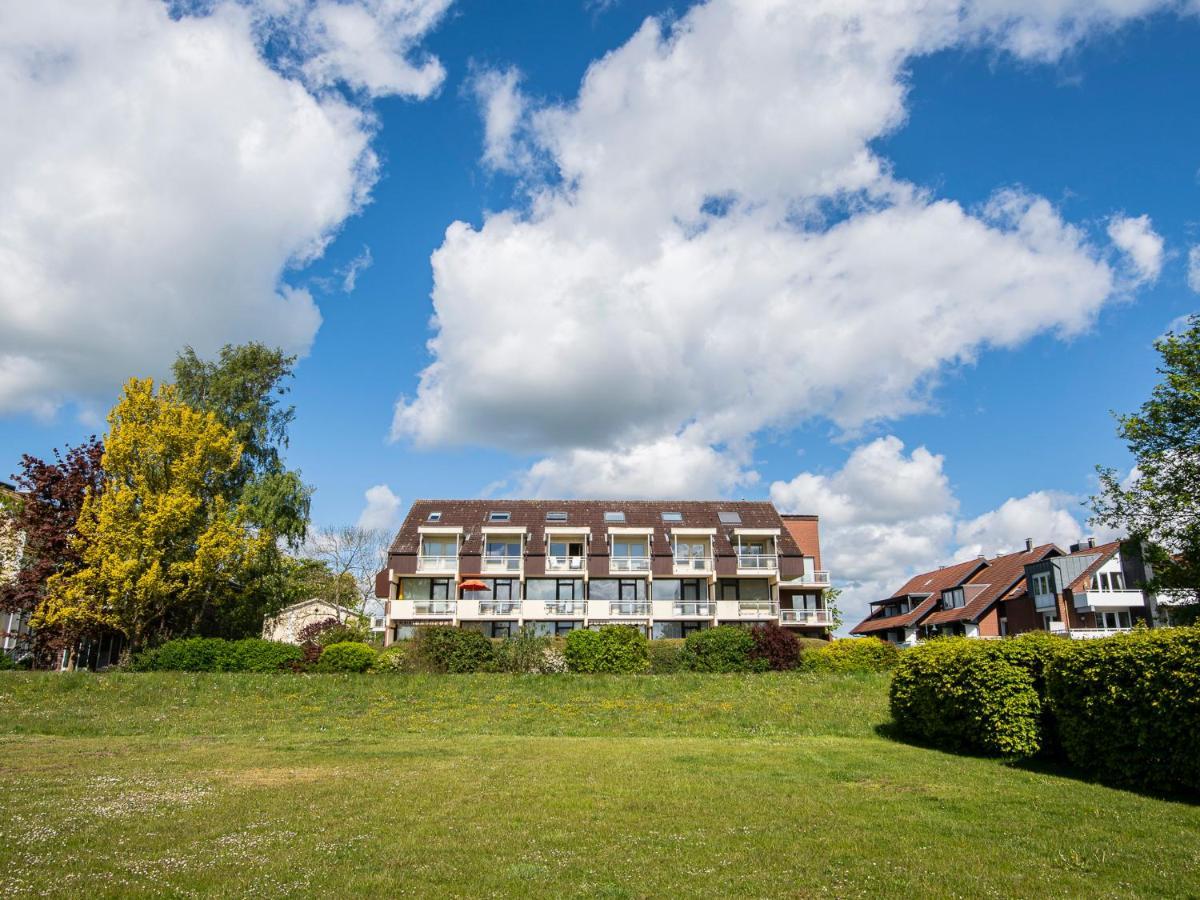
630, 564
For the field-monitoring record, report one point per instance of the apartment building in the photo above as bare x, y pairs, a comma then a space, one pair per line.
1092, 591
666, 567
1088, 591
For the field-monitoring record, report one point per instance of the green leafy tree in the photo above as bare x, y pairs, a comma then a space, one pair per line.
1159, 505
831, 595
245, 389
161, 548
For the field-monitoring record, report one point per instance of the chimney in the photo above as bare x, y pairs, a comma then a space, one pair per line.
1028, 545
1091, 543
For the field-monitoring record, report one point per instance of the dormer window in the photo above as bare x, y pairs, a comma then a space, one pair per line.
499, 516
434, 517
954, 599
614, 516
557, 516
728, 517
672, 517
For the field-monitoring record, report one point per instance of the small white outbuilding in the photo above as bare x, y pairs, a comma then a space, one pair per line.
287, 624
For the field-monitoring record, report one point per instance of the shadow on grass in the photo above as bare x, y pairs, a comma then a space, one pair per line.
1040, 765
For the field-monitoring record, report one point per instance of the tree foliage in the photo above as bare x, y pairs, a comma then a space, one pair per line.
161, 546
1159, 504
244, 388
51, 497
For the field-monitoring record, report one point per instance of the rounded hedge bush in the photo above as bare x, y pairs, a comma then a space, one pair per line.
666, 655
726, 648
616, 649
396, 658
963, 695
776, 646
444, 648
1127, 707
866, 654
219, 655
348, 656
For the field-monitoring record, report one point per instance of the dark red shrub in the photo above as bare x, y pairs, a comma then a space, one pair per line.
776, 645
313, 630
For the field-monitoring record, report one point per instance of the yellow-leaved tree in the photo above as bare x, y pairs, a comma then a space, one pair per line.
161, 545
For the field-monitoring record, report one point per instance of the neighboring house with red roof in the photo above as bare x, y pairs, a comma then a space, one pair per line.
1090, 591
897, 618
1094, 590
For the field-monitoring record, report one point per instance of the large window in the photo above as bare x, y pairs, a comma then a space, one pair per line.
541, 589
688, 596
1042, 584
954, 598
499, 589
439, 547
503, 554
565, 555
626, 596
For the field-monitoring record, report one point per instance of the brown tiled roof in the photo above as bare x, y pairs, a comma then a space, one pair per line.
1106, 551
472, 516
997, 579
932, 583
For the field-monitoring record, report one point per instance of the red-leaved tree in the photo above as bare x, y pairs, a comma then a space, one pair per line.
51, 496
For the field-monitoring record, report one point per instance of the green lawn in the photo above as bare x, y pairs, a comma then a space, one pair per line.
493, 785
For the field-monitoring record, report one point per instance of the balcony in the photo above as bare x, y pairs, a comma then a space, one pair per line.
1122, 599
693, 565
627, 608
569, 564
504, 608
418, 609
805, 617
753, 563
757, 609
445, 565
565, 607
1082, 634
818, 577
629, 564
501, 564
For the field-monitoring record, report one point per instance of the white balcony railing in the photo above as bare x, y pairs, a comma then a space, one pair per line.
630, 564
565, 563
1110, 599
440, 608
764, 562
437, 563
501, 563
628, 608
820, 576
704, 610
1084, 633
499, 607
805, 617
565, 607
687, 564
757, 609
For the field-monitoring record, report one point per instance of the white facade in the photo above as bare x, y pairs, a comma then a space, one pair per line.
286, 626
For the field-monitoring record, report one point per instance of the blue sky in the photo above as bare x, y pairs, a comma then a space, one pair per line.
1094, 115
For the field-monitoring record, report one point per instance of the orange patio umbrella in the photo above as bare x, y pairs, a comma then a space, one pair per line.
473, 584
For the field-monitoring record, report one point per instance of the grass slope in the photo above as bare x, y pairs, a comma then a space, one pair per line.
776, 785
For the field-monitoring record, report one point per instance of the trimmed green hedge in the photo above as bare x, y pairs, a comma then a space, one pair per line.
219, 655
964, 695
612, 649
444, 648
850, 655
666, 655
1124, 709
347, 656
1128, 707
726, 648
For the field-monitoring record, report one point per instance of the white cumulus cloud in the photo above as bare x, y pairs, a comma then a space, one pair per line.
1193, 272
1137, 238
887, 514
382, 509
719, 250
158, 177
